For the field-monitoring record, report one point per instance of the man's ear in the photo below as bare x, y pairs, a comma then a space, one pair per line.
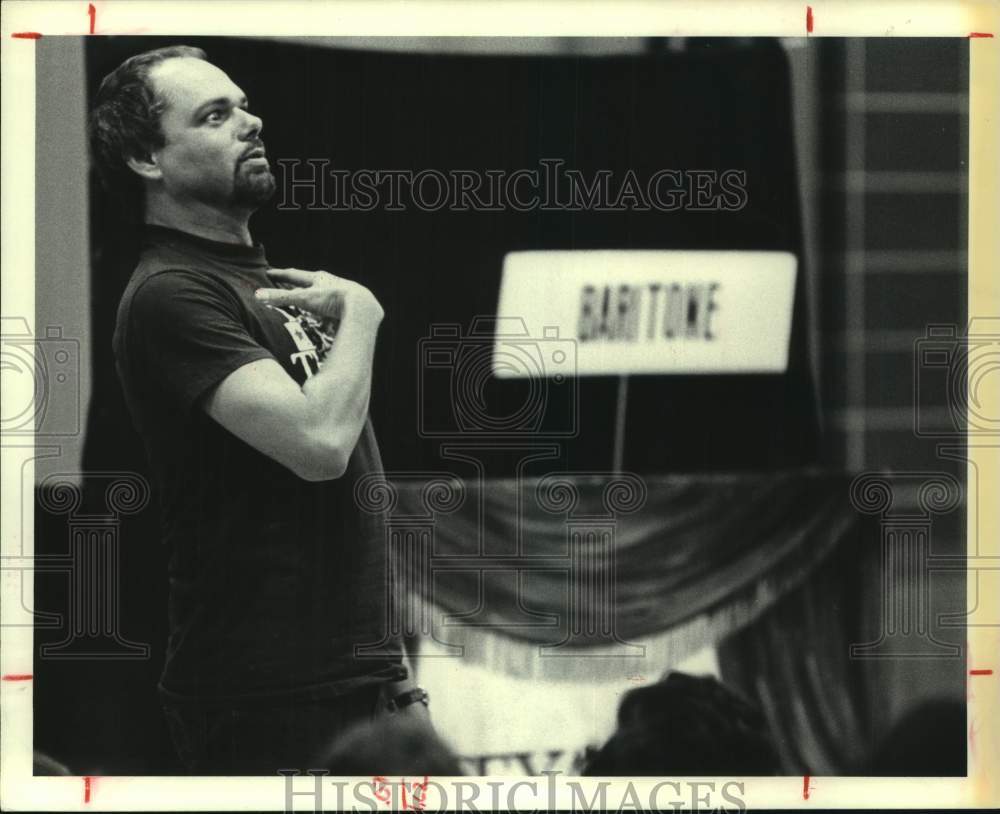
146, 167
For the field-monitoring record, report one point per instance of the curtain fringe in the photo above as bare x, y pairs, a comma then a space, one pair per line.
492, 649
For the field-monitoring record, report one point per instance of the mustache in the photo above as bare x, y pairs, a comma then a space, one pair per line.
256, 146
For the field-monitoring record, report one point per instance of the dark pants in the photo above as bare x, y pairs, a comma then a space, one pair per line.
258, 737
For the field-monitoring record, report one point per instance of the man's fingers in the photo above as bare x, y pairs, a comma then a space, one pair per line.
279, 296
294, 276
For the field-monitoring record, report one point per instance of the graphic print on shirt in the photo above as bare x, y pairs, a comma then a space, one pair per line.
312, 337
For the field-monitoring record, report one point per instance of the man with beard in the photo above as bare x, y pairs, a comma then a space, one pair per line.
250, 388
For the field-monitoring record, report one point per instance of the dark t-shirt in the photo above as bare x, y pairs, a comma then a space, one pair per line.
274, 580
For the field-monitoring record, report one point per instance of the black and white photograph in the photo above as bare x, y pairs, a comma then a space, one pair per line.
547, 409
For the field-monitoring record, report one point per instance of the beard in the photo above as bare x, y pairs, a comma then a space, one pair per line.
252, 186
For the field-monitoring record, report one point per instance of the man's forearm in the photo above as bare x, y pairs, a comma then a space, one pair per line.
335, 399
338, 396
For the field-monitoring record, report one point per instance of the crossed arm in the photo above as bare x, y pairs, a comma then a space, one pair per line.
311, 429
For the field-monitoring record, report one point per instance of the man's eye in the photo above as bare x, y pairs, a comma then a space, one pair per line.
214, 116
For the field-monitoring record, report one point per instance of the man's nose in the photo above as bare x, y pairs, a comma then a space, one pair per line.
251, 125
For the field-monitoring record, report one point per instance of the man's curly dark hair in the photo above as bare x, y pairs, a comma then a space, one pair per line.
686, 725
125, 122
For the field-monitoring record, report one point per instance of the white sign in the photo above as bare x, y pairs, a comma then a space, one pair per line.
505, 725
623, 312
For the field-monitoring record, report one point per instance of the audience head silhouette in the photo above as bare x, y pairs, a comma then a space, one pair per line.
394, 745
686, 725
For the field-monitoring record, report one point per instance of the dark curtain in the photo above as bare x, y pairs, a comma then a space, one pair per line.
695, 557
821, 705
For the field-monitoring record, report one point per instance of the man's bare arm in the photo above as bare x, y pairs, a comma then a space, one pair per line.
311, 429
